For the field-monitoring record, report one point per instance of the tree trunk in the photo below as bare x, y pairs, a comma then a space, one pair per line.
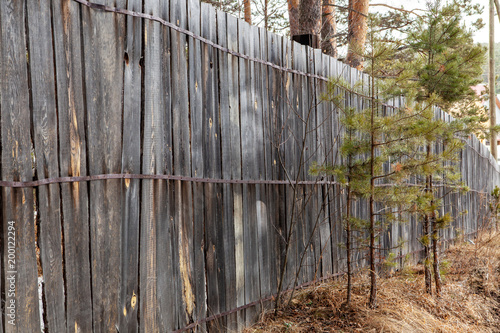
427, 234
427, 255
310, 17
248, 11
266, 14
348, 246
373, 273
305, 21
293, 16
329, 29
435, 252
357, 28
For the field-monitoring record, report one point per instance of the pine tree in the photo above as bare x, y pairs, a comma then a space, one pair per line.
380, 149
389, 151
442, 63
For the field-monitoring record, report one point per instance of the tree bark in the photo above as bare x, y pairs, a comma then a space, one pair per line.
435, 252
328, 28
305, 21
293, 16
427, 235
373, 273
349, 233
266, 14
310, 17
248, 11
427, 255
357, 28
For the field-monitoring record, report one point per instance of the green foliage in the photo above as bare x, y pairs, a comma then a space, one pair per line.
444, 221
444, 267
390, 261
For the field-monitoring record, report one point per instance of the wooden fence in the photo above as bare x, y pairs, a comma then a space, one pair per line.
152, 165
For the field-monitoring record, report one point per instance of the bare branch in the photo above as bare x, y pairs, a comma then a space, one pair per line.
399, 9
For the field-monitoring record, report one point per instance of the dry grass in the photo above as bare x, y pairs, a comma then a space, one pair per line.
469, 303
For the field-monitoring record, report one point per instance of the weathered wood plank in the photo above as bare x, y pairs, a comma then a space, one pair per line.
248, 156
312, 213
300, 123
73, 162
153, 136
21, 295
214, 248
264, 206
235, 166
273, 123
103, 49
335, 192
197, 162
313, 193
258, 152
246, 142
131, 163
43, 97
324, 143
228, 235
288, 159
181, 162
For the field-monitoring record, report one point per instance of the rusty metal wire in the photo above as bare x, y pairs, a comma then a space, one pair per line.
56, 180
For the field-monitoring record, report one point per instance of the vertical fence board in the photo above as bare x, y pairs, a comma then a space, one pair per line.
266, 203
103, 48
248, 159
299, 118
73, 162
288, 158
273, 122
179, 226
154, 212
197, 159
43, 96
258, 110
214, 248
131, 163
336, 192
20, 279
226, 83
181, 159
313, 192
323, 145
233, 29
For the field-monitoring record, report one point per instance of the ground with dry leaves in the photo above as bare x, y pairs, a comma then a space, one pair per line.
470, 301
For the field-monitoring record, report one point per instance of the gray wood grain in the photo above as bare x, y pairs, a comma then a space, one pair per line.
197, 163
181, 157
214, 251
103, 51
73, 162
43, 97
152, 163
16, 165
288, 159
228, 236
131, 163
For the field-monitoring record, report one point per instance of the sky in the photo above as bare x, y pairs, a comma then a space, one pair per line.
480, 36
